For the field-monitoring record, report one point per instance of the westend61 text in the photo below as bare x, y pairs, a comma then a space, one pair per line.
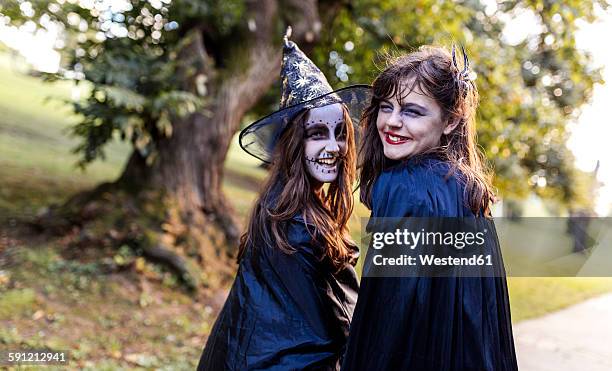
413, 239
432, 260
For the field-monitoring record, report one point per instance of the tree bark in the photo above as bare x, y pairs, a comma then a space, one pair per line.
188, 170
173, 211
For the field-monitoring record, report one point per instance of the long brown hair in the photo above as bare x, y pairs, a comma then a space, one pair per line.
436, 75
290, 190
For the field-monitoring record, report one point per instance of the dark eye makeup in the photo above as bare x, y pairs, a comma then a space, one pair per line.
385, 107
340, 131
410, 109
316, 133
411, 112
321, 131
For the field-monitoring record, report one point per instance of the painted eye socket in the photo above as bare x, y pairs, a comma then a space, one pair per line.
411, 113
317, 134
340, 133
386, 108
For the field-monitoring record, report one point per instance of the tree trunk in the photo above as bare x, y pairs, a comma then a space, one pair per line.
196, 233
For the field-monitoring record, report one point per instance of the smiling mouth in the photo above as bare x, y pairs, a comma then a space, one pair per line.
395, 139
325, 162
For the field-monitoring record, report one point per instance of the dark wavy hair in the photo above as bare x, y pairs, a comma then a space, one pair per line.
290, 190
435, 73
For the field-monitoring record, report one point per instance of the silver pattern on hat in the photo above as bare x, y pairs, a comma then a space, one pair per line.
303, 86
302, 79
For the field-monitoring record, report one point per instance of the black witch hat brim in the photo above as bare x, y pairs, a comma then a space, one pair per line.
259, 139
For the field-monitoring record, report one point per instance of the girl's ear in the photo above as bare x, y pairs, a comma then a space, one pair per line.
451, 125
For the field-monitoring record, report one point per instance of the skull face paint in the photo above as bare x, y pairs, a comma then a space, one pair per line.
325, 142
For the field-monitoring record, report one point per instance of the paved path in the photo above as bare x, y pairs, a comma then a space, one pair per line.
576, 338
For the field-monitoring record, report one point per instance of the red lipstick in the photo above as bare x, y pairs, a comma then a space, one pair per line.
395, 139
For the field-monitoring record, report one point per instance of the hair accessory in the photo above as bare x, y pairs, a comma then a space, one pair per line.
462, 76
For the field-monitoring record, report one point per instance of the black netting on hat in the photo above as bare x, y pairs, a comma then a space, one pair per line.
259, 139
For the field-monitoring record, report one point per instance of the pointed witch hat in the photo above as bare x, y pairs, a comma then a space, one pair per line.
303, 87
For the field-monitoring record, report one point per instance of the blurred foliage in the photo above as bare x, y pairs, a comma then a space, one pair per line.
530, 88
128, 51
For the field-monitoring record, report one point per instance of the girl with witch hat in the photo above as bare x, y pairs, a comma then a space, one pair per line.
292, 301
419, 160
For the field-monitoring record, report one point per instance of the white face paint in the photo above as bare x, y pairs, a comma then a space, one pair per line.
325, 142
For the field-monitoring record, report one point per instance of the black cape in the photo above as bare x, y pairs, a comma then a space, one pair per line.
284, 312
423, 323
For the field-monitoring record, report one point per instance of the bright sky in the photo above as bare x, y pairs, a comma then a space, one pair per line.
591, 134
37, 47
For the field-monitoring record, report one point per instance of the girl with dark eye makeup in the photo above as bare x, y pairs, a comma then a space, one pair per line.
419, 159
292, 301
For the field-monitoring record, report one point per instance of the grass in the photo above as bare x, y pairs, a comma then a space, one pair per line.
100, 319
535, 296
33, 129
16, 300
116, 321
